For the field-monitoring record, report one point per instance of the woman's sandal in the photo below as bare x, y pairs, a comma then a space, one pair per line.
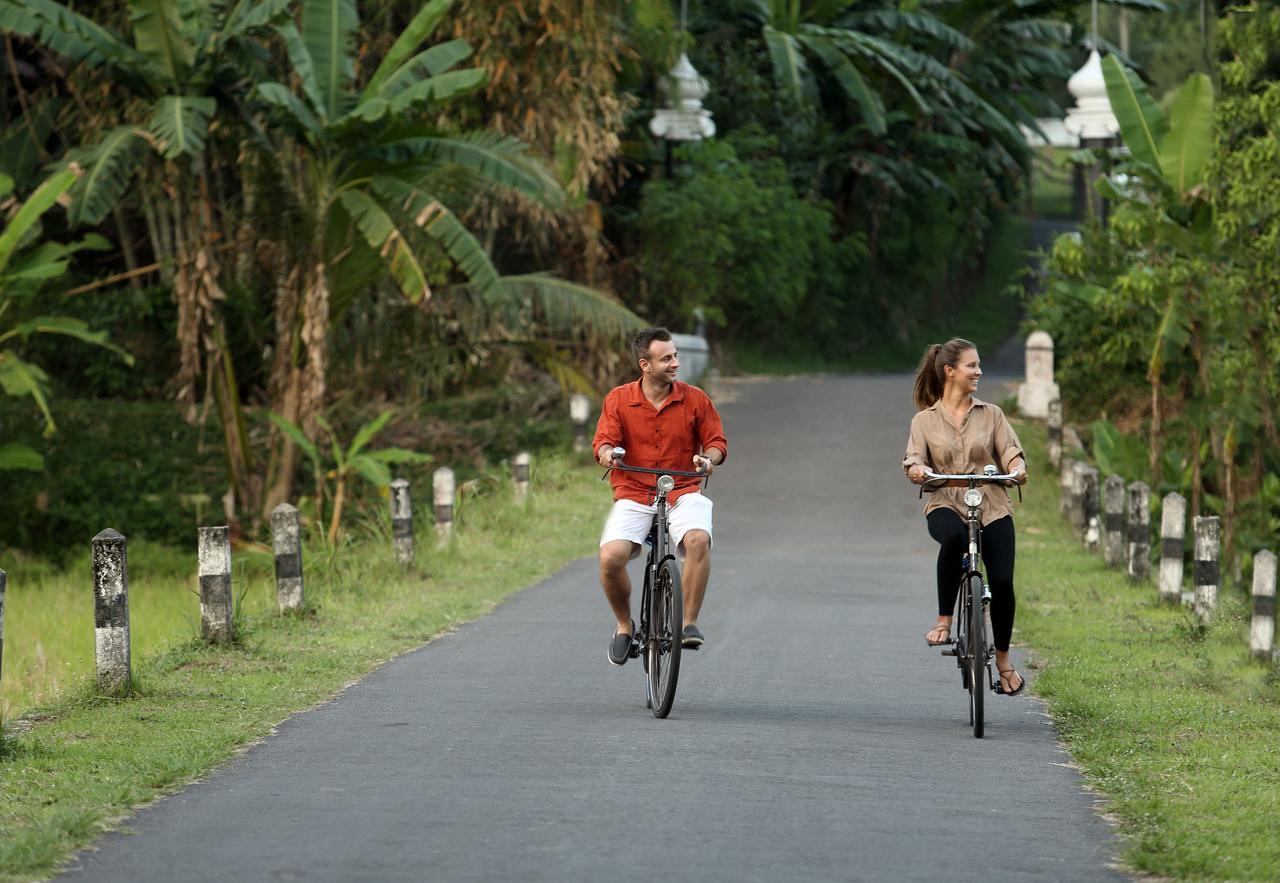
946, 635
1022, 682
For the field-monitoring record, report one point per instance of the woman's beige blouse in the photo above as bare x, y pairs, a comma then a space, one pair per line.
984, 438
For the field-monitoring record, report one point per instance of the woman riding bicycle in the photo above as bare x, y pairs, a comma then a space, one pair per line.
954, 432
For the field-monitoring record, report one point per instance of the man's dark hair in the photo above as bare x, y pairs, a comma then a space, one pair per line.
640, 343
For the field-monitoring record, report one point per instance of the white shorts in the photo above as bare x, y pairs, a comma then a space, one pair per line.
629, 520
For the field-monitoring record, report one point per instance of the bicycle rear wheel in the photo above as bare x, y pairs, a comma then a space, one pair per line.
976, 650
666, 622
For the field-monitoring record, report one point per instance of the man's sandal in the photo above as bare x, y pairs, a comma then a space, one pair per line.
1022, 682
946, 635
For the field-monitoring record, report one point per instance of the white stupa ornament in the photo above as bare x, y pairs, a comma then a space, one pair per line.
683, 118
1092, 117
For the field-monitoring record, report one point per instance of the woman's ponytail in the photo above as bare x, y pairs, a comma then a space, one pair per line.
931, 376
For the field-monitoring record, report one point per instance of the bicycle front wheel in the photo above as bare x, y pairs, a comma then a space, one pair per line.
976, 649
666, 623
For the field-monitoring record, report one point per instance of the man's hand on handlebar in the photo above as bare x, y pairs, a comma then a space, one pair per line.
703, 463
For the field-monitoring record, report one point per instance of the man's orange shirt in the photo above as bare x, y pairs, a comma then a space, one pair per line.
658, 438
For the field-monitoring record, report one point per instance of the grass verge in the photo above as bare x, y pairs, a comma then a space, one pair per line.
1174, 725
87, 760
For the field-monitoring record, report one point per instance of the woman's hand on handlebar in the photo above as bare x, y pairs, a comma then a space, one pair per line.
916, 474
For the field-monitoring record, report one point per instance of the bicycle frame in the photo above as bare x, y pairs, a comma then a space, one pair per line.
970, 667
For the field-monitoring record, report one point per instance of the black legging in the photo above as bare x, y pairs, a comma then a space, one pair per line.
997, 547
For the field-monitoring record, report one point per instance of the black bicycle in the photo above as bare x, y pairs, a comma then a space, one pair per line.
970, 647
657, 639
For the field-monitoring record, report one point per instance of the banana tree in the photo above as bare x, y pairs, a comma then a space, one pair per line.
1169, 154
185, 68
376, 191
24, 266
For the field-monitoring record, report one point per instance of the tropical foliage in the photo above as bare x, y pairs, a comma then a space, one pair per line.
25, 264
1177, 292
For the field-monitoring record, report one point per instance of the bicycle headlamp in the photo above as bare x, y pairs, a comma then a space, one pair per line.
666, 483
973, 497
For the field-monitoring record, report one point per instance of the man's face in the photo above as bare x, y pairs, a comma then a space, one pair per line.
663, 362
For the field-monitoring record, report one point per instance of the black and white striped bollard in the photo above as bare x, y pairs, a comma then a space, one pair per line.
214, 553
1262, 633
1207, 576
402, 521
1139, 546
1090, 493
520, 475
111, 612
286, 542
443, 490
1114, 546
1173, 530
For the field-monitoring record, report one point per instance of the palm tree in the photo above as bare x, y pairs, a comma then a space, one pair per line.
375, 189
185, 68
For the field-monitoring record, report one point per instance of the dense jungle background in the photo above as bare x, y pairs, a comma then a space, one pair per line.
281, 250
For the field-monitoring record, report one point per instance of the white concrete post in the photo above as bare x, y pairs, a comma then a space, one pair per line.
443, 492
1139, 531
214, 554
286, 540
402, 521
111, 612
1206, 530
1038, 389
520, 475
579, 413
1114, 544
1054, 432
1263, 631
1173, 529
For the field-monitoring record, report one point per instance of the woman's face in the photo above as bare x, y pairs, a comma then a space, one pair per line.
966, 373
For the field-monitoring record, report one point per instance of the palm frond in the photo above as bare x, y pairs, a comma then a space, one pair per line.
108, 167
418, 29
69, 33
29, 214
328, 29
303, 65
790, 70
157, 32
385, 236
247, 17
279, 96
496, 159
181, 124
890, 20
434, 219
428, 63
851, 81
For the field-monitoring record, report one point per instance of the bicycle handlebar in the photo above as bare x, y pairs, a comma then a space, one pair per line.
1005, 479
618, 453
992, 478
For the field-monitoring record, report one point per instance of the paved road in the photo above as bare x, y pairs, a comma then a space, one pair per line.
814, 737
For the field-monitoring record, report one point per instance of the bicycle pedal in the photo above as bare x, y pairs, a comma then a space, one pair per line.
950, 651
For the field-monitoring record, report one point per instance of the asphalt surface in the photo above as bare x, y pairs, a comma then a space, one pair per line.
814, 737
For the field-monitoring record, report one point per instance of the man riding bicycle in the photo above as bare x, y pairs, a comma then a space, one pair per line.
663, 423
